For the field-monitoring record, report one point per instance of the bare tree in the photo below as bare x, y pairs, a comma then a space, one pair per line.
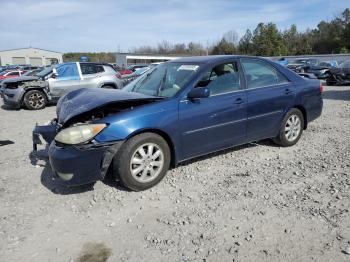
231, 37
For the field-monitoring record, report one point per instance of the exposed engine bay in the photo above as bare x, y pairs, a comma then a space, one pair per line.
107, 110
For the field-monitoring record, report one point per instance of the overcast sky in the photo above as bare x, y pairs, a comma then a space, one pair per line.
112, 25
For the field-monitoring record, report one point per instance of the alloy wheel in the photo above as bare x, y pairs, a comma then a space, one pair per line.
146, 162
36, 100
292, 128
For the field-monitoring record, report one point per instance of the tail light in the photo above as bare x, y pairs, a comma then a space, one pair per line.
118, 75
321, 87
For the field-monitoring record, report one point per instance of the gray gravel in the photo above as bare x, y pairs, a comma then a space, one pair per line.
257, 202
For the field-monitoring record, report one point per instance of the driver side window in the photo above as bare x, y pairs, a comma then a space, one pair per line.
68, 72
221, 79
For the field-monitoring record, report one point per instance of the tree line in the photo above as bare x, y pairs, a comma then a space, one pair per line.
265, 40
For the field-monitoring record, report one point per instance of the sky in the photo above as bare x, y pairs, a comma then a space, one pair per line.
120, 25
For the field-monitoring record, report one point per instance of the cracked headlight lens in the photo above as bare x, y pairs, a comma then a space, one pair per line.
79, 134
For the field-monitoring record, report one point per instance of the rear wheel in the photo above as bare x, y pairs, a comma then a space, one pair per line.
329, 82
35, 100
291, 128
142, 161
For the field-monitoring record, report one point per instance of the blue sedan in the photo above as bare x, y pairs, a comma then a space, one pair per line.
179, 110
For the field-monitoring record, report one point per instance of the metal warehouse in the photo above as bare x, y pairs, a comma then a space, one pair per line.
31, 55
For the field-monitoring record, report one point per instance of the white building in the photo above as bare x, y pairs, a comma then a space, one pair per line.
124, 59
31, 55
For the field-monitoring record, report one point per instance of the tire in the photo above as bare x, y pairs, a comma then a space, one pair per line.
35, 100
329, 82
108, 87
129, 164
294, 121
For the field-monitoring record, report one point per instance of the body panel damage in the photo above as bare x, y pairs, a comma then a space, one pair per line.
90, 104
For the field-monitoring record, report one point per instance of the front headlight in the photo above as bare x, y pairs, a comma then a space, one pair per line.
79, 134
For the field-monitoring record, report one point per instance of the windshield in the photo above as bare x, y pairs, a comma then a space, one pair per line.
32, 72
164, 80
44, 72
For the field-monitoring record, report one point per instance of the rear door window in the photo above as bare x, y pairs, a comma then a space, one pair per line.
260, 74
88, 69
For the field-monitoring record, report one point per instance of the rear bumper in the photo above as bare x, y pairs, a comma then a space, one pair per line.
315, 111
76, 165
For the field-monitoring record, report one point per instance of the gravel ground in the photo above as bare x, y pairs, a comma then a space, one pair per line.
257, 202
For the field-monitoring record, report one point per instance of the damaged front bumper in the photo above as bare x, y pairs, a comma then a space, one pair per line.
75, 165
12, 97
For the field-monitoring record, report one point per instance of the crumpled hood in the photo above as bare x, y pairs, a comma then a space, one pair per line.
83, 100
20, 79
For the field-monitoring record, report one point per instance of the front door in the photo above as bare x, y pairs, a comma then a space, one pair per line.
67, 79
216, 122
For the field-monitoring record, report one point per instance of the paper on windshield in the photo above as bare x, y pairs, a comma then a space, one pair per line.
188, 67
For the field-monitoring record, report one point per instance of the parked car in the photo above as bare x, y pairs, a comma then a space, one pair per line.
312, 66
181, 109
283, 61
339, 76
50, 84
124, 71
29, 67
33, 72
137, 66
141, 70
10, 74
299, 65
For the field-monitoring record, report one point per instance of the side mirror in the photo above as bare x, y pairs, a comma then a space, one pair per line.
54, 75
200, 92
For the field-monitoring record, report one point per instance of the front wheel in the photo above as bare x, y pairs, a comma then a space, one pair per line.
35, 100
142, 161
291, 128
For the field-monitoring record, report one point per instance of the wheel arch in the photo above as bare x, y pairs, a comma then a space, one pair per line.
31, 89
165, 136
303, 111
109, 84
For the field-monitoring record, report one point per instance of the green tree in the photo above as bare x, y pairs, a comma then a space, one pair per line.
223, 48
245, 45
267, 40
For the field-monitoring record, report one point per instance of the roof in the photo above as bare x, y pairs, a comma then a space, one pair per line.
30, 48
206, 59
151, 54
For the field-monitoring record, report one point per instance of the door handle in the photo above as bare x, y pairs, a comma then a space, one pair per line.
288, 91
238, 101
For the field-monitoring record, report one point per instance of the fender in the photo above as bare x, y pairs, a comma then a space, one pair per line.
36, 85
45, 90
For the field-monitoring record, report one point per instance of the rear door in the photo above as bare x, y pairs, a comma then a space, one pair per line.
90, 74
218, 121
68, 79
269, 95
